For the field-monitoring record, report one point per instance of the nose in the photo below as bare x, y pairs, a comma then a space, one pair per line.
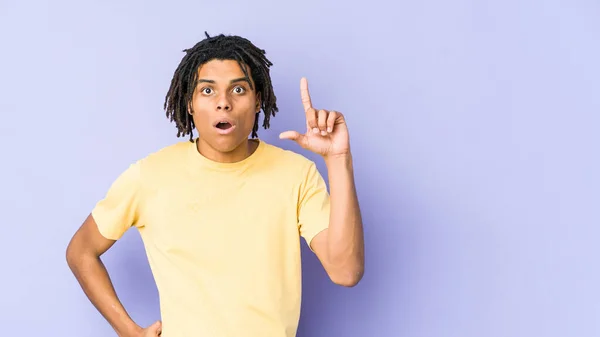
223, 103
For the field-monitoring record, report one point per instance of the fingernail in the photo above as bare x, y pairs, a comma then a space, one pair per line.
315, 130
323, 133
329, 129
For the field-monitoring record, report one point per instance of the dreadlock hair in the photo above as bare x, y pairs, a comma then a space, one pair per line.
178, 103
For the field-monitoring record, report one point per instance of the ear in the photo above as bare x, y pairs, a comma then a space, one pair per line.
258, 102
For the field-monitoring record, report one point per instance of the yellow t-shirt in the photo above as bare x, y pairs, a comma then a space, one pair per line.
222, 240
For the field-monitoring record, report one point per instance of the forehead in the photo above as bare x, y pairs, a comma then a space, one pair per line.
221, 69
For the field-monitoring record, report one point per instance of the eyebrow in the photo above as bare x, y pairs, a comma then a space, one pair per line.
241, 79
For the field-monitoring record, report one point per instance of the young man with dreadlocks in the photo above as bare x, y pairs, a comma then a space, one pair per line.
221, 215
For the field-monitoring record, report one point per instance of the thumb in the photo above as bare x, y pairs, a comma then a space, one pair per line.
295, 136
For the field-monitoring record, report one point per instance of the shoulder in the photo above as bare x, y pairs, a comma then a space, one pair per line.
168, 155
288, 161
161, 161
283, 157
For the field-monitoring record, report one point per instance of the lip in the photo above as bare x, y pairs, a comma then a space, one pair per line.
226, 131
223, 120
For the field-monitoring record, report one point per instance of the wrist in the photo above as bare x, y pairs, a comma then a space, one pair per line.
132, 331
337, 161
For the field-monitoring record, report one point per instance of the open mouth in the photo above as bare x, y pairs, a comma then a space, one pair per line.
224, 125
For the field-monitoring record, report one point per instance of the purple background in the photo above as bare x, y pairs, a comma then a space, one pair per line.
475, 128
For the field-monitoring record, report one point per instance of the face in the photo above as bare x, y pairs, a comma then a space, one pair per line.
224, 106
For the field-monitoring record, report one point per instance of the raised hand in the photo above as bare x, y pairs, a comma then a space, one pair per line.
326, 131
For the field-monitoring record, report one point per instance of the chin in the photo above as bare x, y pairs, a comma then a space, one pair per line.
226, 144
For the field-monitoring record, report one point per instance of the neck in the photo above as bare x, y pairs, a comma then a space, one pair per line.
241, 152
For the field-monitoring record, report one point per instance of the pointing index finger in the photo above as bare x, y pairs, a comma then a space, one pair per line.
305, 94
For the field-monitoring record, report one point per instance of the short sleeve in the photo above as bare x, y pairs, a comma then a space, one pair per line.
119, 209
314, 205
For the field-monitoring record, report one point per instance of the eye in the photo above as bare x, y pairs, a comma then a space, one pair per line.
206, 91
239, 90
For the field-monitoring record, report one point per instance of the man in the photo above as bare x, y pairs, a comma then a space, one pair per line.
221, 215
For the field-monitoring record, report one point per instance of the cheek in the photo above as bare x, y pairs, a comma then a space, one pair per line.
200, 120
248, 108
200, 112
249, 121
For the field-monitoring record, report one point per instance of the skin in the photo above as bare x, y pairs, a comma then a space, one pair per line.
83, 257
222, 92
340, 248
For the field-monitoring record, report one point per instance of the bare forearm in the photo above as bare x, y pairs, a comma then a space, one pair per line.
345, 239
95, 282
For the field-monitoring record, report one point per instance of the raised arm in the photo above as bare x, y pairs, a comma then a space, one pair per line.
340, 247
